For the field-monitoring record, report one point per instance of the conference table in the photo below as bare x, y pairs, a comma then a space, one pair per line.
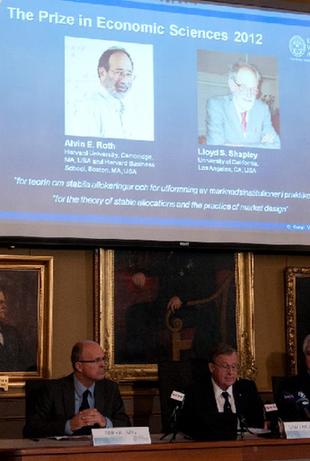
248, 449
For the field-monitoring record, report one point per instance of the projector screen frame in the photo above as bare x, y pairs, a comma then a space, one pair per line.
13, 241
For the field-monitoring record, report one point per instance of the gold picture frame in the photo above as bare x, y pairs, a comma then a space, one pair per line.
26, 284
297, 315
116, 270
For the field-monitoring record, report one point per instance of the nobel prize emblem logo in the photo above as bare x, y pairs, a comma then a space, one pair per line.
297, 46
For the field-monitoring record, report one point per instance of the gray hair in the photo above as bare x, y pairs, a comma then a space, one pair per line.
221, 349
233, 72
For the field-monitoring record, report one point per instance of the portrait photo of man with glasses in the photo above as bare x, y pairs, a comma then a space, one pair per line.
238, 113
109, 89
116, 76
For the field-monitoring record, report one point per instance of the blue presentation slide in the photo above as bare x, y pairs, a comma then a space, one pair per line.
154, 120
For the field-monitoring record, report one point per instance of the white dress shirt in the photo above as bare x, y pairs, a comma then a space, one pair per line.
220, 399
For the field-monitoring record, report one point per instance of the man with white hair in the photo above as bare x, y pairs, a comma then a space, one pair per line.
241, 118
218, 402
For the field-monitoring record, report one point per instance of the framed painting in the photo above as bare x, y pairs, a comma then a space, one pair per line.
25, 319
155, 305
297, 316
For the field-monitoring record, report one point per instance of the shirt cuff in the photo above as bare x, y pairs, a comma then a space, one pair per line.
109, 423
68, 430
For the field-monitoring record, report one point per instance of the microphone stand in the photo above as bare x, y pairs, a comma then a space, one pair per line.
243, 426
173, 422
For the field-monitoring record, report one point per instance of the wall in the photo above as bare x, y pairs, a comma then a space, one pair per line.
73, 317
269, 293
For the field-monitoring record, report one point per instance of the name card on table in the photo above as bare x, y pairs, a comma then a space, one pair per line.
121, 436
297, 429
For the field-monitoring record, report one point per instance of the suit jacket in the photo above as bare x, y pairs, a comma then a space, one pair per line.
292, 397
224, 126
202, 420
56, 404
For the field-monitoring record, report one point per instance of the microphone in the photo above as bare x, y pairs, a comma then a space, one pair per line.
288, 397
177, 400
303, 404
178, 403
272, 416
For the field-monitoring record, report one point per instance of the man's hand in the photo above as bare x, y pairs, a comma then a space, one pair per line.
174, 304
88, 417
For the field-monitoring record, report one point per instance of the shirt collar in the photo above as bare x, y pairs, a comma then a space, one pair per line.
218, 391
80, 388
117, 102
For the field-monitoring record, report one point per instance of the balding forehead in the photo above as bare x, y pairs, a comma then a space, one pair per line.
121, 58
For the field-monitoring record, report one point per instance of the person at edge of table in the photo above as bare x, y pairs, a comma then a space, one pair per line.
75, 404
219, 402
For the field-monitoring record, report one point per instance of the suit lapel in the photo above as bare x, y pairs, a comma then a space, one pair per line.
239, 400
68, 396
234, 119
99, 396
209, 391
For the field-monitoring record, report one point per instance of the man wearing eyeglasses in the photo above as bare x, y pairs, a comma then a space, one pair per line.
109, 112
241, 118
75, 404
220, 402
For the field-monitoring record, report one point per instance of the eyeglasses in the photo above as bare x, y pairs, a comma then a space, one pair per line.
96, 360
252, 91
226, 367
122, 74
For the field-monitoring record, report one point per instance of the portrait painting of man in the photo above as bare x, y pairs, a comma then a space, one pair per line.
153, 289
18, 320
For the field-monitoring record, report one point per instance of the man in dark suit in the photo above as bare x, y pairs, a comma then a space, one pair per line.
76, 403
218, 403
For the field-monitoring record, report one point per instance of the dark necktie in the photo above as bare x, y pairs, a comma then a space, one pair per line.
227, 406
85, 430
85, 404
